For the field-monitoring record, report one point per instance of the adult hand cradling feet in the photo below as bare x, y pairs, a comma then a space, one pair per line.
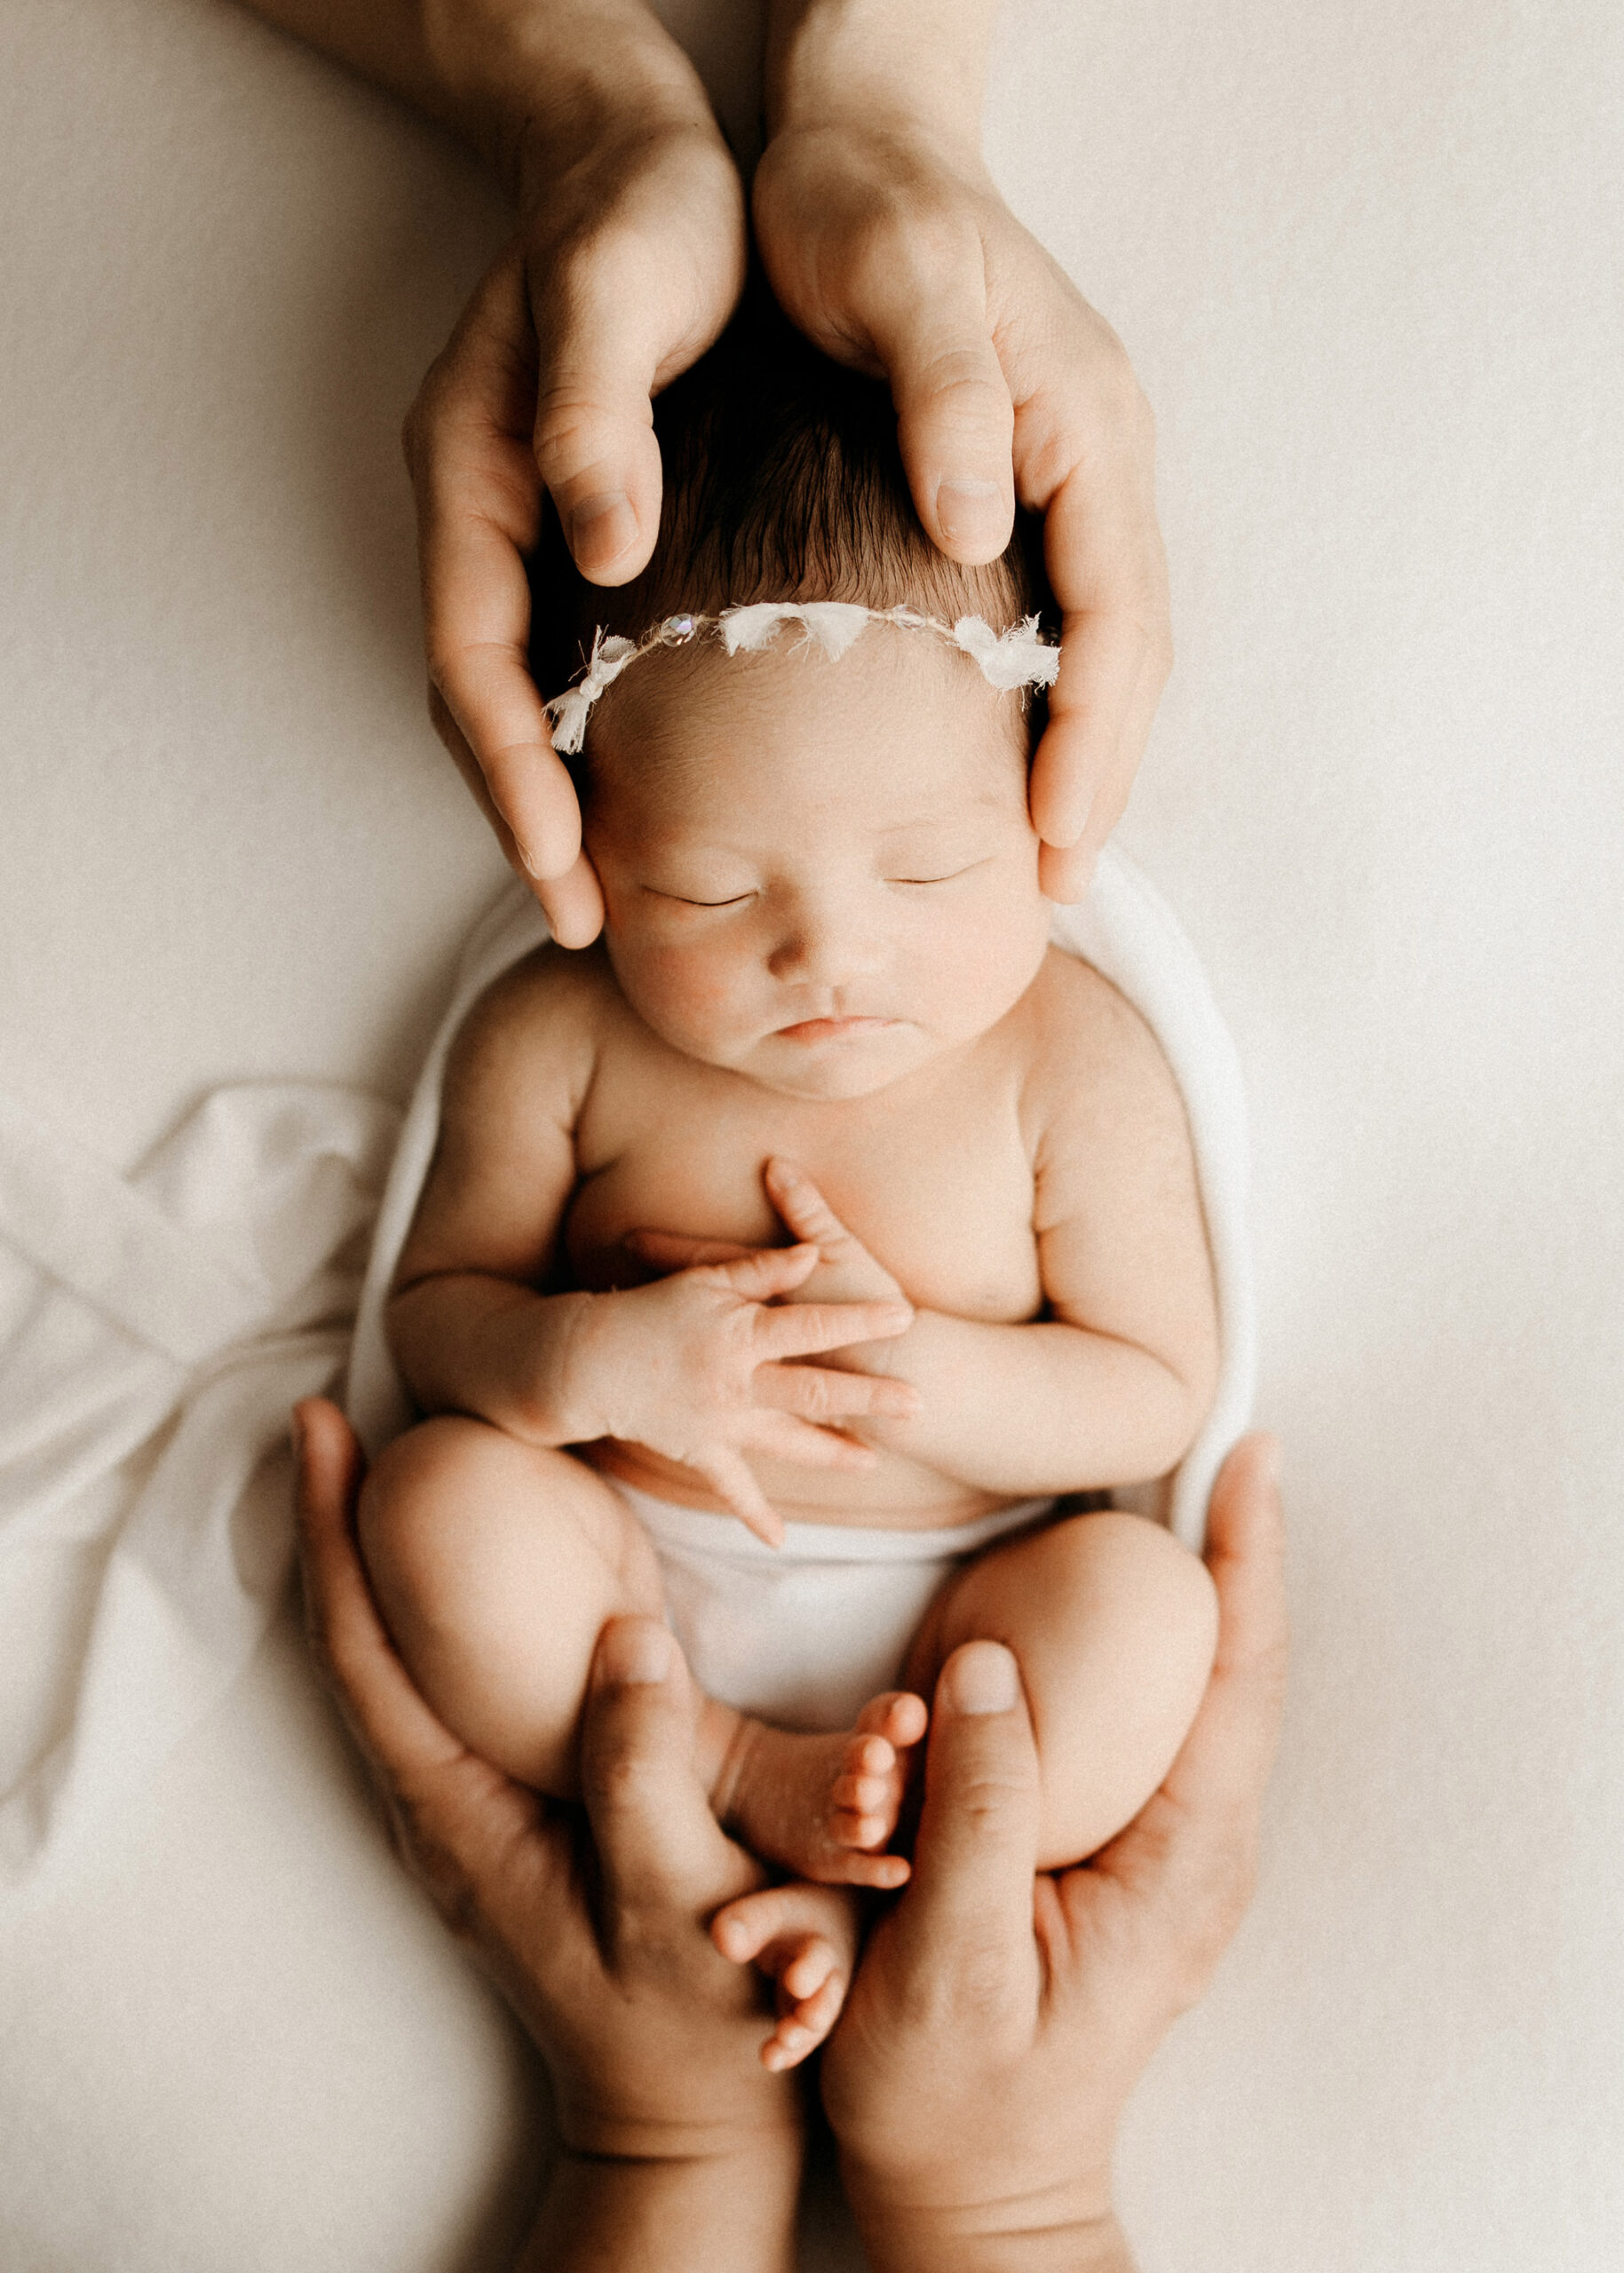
680, 2152
998, 2021
996, 2024
888, 243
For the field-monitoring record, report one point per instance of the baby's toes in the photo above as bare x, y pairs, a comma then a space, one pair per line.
897, 1715
811, 1988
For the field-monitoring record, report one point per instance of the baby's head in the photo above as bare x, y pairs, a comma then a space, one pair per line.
818, 872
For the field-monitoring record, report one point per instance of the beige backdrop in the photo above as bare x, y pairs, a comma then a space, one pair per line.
1365, 257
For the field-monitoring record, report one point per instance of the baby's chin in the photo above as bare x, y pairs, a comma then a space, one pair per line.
823, 1067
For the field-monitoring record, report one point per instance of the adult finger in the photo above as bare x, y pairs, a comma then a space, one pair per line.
478, 502
1231, 1748
918, 292
1106, 566
392, 1724
968, 1903
573, 902
621, 306
1196, 1837
658, 1844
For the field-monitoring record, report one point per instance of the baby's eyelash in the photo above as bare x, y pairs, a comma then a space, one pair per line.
951, 877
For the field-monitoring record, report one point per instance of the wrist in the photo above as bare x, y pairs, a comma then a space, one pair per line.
540, 85
728, 2213
1062, 2230
860, 67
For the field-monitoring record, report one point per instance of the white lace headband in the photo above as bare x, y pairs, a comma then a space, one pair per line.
1009, 659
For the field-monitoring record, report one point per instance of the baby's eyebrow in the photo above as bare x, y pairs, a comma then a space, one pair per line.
937, 817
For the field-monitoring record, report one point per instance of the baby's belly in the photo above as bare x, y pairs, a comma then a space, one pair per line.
895, 1494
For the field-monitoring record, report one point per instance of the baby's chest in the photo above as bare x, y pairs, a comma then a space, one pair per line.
939, 1188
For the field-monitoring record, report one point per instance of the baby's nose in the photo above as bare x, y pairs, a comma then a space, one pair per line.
825, 945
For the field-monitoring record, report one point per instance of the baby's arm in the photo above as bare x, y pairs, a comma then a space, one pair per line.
1111, 1386
468, 1328
697, 1366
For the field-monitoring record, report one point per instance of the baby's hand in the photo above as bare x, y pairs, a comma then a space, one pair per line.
700, 1367
845, 1271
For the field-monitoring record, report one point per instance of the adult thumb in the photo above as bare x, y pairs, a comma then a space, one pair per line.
969, 1899
657, 1840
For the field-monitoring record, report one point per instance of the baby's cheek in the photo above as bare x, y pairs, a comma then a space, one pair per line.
982, 965
689, 996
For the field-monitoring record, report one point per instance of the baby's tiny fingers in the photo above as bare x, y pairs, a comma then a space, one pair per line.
739, 1489
820, 1393
761, 1273
805, 1328
803, 1206
675, 1251
787, 1437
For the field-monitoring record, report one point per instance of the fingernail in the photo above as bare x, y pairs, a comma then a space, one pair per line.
972, 513
983, 1678
634, 1653
600, 529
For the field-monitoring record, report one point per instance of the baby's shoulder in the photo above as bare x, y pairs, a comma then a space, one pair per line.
1093, 1061
541, 1023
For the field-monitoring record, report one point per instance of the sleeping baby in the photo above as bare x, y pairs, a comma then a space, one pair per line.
788, 1257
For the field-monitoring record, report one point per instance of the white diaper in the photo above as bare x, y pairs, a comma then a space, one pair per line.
806, 1633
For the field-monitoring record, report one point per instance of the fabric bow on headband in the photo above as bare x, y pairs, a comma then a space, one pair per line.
1017, 657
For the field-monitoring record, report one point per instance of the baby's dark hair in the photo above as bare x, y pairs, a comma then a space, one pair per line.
782, 481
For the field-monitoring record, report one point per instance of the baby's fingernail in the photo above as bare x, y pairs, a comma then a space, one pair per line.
983, 1678
634, 1653
971, 513
600, 529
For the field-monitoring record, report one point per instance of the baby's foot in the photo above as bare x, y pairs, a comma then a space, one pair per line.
822, 1806
804, 1938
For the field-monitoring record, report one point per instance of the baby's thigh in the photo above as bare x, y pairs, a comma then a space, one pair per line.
1114, 1625
496, 1564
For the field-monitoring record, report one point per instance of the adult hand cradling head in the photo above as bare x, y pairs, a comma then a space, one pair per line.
997, 2021
886, 241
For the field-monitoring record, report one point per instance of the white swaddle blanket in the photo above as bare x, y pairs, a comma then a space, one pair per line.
154, 1330
1127, 931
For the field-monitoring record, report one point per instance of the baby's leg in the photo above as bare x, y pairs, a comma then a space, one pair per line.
804, 1939
1113, 1624
496, 1565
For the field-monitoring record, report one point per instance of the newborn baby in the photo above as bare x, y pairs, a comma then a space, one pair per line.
822, 1219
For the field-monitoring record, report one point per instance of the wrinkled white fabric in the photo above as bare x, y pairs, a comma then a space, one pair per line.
154, 1330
